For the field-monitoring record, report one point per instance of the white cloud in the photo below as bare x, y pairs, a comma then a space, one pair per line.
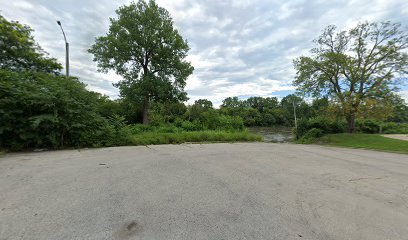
238, 47
404, 95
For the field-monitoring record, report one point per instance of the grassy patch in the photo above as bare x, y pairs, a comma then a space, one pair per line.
151, 138
368, 141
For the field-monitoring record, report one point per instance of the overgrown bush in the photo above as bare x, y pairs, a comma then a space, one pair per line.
325, 125
374, 126
311, 135
191, 126
41, 110
222, 122
368, 126
395, 128
149, 138
107, 133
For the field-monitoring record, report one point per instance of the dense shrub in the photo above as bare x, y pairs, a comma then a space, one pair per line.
368, 126
149, 138
302, 128
40, 110
226, 123
395, 128
311, 134
325, 125
139, 128
191, 126
113, 132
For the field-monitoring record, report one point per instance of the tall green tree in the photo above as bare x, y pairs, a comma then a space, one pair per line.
288, 103
144, 48
20, 52
204, 103
198, 108
400, 110
260, 103
352, 66
231, 102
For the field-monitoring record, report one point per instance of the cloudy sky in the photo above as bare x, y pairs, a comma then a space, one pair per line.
238, 47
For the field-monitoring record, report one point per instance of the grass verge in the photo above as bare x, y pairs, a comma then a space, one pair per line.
152, 138
367, 141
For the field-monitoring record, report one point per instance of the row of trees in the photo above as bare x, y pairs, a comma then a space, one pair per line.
258, 111
356, 70
39, 108
350, 74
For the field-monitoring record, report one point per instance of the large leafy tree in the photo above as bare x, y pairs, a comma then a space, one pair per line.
287, 105
260, 103
400, 110
200, 106
356, 66
20, 52
231, 102
144, 48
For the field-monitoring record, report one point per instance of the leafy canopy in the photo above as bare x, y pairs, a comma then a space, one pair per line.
355, 66
20, 52
143, 47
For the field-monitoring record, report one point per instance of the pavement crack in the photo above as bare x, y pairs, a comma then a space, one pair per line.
151, 148
366, 178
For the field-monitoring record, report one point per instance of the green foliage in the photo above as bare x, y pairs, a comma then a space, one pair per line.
113, 132
395, 128
311, 135
212, 120
149, 138
374, 126
20, 52
260, 103
107, 107
400, 110
143, 47
198, 108
191, 126
259, 111
231, 102
302, 109
325, 125
368, 141
368, 126
354, 67
40, 110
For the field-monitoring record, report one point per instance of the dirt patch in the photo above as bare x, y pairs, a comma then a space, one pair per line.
397, 136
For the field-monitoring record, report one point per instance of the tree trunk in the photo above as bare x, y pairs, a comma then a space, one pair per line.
351, 123
146, 111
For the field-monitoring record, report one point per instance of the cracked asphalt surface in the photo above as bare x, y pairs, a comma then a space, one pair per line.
208, 191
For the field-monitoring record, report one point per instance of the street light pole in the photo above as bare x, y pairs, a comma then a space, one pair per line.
66, 51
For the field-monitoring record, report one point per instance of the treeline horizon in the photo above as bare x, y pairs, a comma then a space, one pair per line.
351, 86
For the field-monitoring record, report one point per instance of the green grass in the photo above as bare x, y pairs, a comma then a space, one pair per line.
152, 138
367, 141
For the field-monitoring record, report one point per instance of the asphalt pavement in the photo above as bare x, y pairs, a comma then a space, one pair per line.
205, 191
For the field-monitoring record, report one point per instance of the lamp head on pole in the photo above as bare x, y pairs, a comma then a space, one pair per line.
59, 23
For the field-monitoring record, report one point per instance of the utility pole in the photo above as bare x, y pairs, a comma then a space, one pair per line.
294, 113
66, 51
